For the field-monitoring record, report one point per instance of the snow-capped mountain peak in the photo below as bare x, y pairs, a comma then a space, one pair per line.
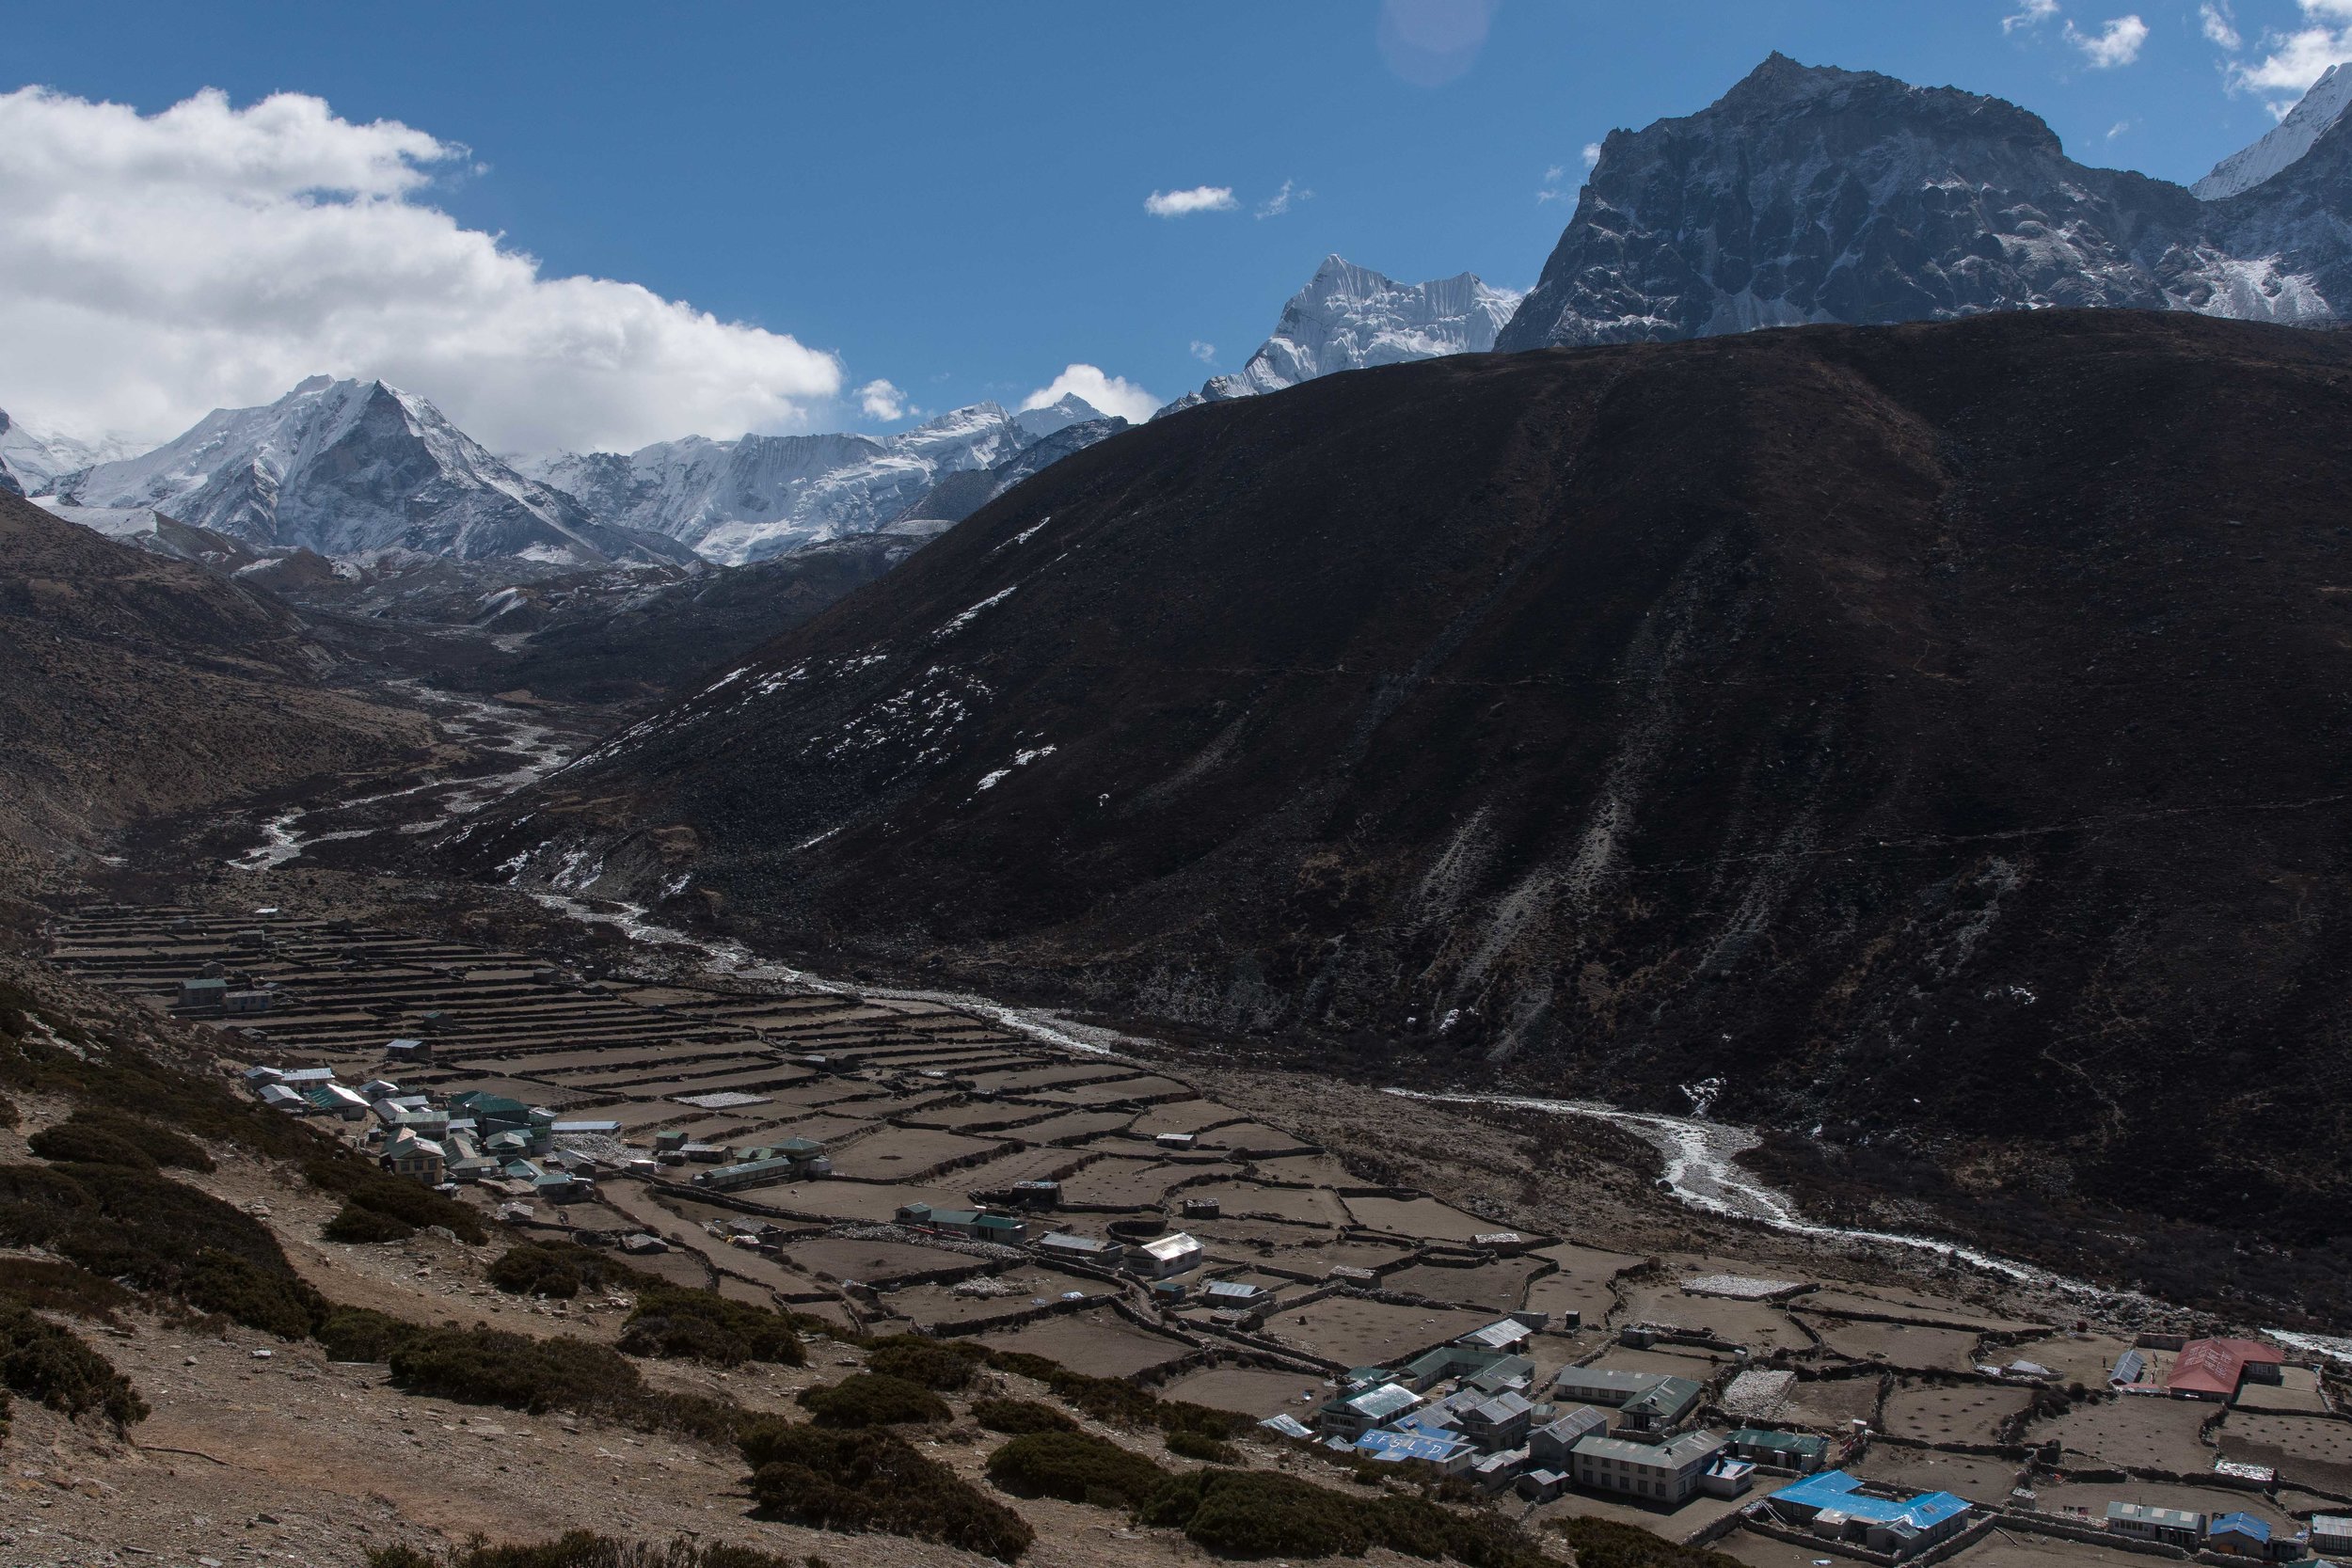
1067, 410
2285, 143
762, 496
31, 456
1349, 317
350, 468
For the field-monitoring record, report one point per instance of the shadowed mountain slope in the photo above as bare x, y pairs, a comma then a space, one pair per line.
131, 683
1933, 734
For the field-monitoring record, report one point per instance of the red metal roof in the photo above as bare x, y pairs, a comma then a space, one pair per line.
2215, 1365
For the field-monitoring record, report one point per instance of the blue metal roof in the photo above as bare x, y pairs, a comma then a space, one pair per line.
1406, 1445
2239, 1524
1836, 1489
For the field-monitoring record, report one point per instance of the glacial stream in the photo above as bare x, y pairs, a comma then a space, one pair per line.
1701, 1156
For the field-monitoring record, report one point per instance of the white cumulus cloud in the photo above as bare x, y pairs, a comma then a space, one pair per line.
2032, 13
1200, 198
1592, 153
880, 400
1284, 200
1112, 394
155, 267
1205, 353
2221, 25
2116, 43
2293, 60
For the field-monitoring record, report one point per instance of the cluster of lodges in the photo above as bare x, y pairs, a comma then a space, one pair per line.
472, 1136
476, 1136
1470, 1409
2212, 1370
2232, 1534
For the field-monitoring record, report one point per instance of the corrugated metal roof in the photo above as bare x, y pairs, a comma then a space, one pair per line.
2215, 1365
1674, 1455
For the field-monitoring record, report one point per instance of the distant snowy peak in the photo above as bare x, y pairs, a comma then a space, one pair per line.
1349, 317
30, 458
1057, 415
2285, 143
352, 468
762, 496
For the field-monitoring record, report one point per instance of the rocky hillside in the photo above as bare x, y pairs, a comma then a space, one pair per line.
132, 685
1875, 732
1812, 194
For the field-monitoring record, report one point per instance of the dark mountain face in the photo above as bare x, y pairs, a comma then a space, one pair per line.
1935, 735
132, 685
1810, 194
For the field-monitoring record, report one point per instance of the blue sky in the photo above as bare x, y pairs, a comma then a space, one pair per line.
953, 198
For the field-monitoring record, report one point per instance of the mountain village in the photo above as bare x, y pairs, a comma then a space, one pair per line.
899, 1165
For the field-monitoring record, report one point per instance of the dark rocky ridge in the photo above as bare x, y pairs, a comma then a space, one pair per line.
132, 685
1812, 194
1936, 734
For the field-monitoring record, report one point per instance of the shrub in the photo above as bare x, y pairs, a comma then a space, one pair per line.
1075, 1467
702, 1325
874, 1479
560, 1269
1019, 1418
1108, 1399
1264, 1513
62, 1288
147, 1230
362, 1334
1607, 1543
947, 1365
366, 1227
159, 1144
872, 1400
1188, 1444
1259, 1513
581, 1549
416, 1206
484, 1365
94, 1144
42, 1361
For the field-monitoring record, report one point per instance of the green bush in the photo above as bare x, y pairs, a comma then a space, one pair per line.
702, 1325
562, 1269
159, 1144
582, 1549
62, 1288
874, 1479
1607, 1543
42, 1361
872, 1400
1265, 1514
1108, 1399
147, 1230
1075, 1467
366, 1227
947, 1365
416, 1206
484, 1365
1019, 1418
94, 1144
1187, 1443
362, 1334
